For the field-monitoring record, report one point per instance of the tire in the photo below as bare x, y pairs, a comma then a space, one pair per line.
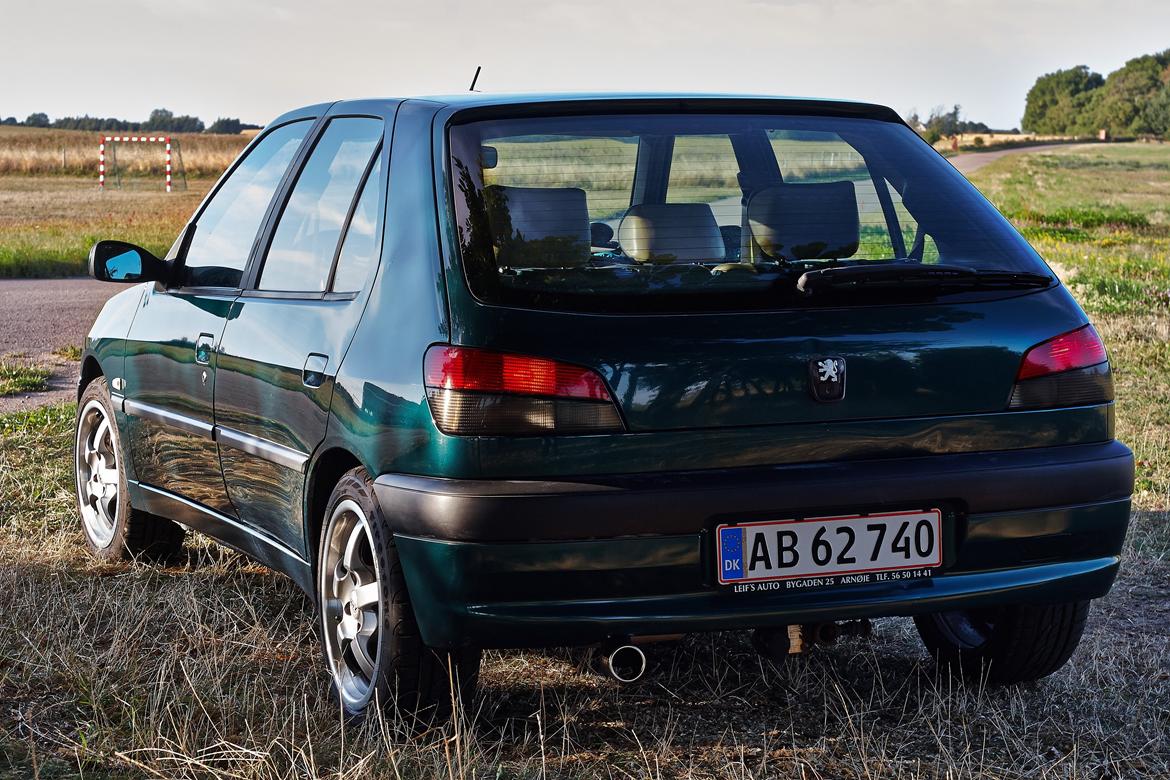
370, 639
1008, 645
113, 530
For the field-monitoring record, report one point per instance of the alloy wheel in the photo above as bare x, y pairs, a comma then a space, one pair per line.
97, 473
351, 602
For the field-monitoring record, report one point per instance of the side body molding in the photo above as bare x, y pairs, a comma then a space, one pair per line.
228, 437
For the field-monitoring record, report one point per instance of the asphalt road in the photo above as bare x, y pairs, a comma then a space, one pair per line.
39, 316
969, 162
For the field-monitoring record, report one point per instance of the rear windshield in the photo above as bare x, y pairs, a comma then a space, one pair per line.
702, 212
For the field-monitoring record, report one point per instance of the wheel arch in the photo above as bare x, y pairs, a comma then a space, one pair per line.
324, 472
91, 369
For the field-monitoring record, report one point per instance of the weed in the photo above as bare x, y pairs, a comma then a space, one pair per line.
17, 377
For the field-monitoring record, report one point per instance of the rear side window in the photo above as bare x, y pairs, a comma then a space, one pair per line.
705, 212
226, 229
360, 248
300, 256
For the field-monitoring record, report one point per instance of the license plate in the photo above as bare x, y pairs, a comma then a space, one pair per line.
853, 548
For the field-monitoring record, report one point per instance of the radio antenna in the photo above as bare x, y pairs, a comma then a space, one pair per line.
475, 78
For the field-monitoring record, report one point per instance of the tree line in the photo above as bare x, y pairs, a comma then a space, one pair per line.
943, 123
161, 121
1133, 100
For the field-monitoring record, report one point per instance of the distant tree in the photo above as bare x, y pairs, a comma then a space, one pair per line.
1055, 101
1126, 92
37, 120
163, 121
1156, 113
226, 125
10, 121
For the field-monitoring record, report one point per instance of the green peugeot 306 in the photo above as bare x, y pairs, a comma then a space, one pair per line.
500, 372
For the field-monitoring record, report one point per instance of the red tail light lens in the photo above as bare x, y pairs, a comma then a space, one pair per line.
481, 370
1078, 349
1071, 369
479, 392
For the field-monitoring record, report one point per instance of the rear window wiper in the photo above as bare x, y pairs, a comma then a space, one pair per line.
857, 277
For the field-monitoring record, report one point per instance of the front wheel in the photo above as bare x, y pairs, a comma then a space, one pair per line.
372, 645
1012, 644
113, 529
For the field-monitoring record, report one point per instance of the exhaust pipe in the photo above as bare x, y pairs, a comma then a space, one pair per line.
625, 663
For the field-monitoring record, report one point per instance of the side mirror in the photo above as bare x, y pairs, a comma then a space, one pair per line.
118, 261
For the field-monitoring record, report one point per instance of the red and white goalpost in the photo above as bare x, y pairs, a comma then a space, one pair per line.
144, 139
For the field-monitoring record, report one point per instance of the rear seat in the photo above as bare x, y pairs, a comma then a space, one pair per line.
671, 232
805, 221
524, 218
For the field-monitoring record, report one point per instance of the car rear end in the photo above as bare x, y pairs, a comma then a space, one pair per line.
720, 364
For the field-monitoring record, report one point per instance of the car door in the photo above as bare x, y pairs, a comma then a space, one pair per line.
289, 328
171, 359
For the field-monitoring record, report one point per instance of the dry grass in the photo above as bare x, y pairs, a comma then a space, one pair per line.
48, 224
211, 669
32, 151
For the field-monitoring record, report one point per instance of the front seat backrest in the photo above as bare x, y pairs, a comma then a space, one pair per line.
671, 232
805, 221
544, 227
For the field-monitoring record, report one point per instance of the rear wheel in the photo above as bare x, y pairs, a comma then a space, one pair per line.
371, 640
113, 529
1011, 644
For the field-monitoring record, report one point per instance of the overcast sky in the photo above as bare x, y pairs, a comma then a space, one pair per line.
254, 59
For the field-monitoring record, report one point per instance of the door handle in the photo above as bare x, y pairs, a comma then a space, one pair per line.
313, 374
204, 345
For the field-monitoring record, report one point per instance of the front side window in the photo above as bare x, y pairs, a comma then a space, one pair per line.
227, 227
707, 212
300, 256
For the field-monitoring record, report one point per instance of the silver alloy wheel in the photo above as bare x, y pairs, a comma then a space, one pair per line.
351, 603
97, 473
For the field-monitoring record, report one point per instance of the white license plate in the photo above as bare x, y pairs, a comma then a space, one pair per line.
829, 547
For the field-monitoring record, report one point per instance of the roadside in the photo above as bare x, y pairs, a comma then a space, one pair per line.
43, 323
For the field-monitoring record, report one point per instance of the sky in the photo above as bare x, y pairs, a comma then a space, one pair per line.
254, 59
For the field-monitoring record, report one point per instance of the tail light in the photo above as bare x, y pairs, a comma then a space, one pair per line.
1069, 370
478, 392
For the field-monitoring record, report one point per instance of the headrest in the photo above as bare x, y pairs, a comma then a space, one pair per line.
538, 226
805, 221
671, 232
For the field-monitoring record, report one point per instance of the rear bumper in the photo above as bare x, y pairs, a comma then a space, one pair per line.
530, 563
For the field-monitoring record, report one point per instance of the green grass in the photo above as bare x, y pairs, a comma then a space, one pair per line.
1101, 216
17, 377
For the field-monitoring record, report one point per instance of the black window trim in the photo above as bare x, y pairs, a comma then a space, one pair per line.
272, 217
179, 261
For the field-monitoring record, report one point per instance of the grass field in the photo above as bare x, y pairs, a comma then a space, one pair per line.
51, 211
210, 668
33, 151
48, 224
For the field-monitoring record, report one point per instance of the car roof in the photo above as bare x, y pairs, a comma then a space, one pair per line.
489, 100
